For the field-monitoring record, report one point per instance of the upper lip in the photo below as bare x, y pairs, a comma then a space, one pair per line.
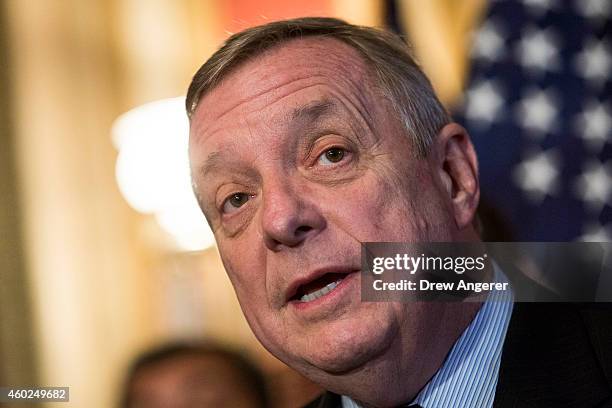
315, 274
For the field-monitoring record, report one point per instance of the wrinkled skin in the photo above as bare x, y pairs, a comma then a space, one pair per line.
297, 159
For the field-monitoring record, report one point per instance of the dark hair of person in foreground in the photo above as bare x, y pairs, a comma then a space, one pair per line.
187, 375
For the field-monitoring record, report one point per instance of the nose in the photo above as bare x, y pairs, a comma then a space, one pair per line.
289, 217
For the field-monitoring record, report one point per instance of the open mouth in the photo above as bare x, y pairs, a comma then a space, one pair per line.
318, 287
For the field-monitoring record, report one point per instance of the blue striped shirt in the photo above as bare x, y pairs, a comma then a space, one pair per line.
468, 377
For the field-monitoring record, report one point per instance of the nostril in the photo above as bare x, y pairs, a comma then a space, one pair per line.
299, 234
302, 230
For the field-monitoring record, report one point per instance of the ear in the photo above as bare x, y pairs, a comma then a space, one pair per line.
455, 161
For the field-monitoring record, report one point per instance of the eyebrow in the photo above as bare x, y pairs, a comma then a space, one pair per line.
314, 110
213, 161
311, 112
319, 110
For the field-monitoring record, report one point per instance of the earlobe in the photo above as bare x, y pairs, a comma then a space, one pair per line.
458, 169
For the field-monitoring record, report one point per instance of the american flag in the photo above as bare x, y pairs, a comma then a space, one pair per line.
539, 110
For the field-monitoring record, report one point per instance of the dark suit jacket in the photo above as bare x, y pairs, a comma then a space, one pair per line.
555, 355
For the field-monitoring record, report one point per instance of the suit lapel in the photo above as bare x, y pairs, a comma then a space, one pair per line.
548, 360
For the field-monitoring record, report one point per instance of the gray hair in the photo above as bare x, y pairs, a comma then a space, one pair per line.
401, 80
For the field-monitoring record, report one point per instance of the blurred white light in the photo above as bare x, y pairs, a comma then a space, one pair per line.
152, 170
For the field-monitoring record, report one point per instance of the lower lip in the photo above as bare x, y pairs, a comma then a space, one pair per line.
329, 297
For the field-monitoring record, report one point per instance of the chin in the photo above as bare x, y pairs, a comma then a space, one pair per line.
347, 346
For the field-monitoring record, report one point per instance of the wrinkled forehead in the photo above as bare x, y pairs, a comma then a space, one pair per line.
279, 71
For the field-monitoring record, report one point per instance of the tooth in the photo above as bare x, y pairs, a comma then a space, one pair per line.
321, 292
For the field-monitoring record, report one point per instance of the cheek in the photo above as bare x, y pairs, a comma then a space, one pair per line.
412, 205
246, 266
383, 206
245, 269
248, 279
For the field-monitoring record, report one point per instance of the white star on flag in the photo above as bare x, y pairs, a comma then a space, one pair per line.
484, 103
538, 175
538, 50
594, 125
594, 62
537, 111
540, 6
488, 42
595, 232
594, 185
593, 8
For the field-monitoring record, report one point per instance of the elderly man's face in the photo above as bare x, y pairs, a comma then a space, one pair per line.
297, 159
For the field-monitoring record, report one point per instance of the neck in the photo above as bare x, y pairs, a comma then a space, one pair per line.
413, 357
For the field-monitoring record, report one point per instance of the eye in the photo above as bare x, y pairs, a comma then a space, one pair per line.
331, 156
235, 201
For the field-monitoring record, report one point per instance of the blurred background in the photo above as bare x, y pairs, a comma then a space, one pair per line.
103, 252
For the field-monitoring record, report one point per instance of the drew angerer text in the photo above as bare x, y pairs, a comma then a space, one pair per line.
425, 285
